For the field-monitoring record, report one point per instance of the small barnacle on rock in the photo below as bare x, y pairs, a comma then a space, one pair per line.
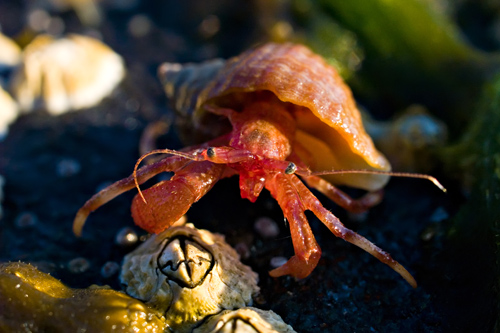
10, 52
8, 112
66, 74
109, 269
26, 220
10, 55
266, 227
245, 320
78, 265
188, 274
126, 237
409, 139
67, 167
32, 301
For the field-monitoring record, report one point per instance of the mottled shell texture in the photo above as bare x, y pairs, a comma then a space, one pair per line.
188, 274
328, 122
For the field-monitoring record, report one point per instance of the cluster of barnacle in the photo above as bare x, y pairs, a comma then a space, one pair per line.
59, 74
196, 280
181, 280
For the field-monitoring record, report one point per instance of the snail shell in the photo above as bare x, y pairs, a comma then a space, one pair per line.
329, 125
188, 274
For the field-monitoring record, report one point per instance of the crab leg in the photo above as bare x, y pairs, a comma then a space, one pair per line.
109, 193
341, 198
307, 251
339, 230
165, 202
142, 175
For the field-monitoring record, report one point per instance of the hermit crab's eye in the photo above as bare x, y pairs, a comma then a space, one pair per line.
211, 152
291, 168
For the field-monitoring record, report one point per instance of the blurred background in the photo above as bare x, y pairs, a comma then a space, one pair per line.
424, 73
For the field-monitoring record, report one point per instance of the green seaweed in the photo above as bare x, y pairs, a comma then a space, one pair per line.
413, 53
473, 250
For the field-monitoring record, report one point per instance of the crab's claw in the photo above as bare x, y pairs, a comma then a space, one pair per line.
164, 203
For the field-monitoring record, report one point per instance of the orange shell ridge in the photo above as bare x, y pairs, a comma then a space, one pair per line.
329, 124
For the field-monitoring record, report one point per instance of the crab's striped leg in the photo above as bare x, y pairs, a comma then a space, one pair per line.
109, 193
339, 230
307, 251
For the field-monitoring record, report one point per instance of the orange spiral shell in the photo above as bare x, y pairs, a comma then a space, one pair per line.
328, 123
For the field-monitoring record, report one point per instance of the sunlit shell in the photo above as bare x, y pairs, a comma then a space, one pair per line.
182, 84
32, 301
245, 320
66, 74
188, 274
8, 112
10, 53
329, 125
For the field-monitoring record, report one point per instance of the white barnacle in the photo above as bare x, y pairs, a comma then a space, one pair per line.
10, 52
65, 74
188, 274
8, 112
10, 56
245, 320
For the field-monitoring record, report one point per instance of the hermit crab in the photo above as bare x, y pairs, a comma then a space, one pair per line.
282, 113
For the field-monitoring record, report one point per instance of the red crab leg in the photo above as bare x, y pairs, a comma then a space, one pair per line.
165, 202
360, 205
109, 193
142, 175
341, 198
307, 251
339, 230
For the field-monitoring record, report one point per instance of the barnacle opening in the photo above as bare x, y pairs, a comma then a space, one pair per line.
185, 261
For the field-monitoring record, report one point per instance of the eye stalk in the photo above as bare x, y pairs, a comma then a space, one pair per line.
211, 152
291, 168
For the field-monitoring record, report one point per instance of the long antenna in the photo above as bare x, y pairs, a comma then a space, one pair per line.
160, 151
307, 172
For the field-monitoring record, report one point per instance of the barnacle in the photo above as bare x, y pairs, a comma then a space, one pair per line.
10, 53
188, 274
245, 320
409, 139
32, 301
66, 74
8, 111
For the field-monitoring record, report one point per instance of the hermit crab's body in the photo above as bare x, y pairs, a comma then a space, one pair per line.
281, 112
